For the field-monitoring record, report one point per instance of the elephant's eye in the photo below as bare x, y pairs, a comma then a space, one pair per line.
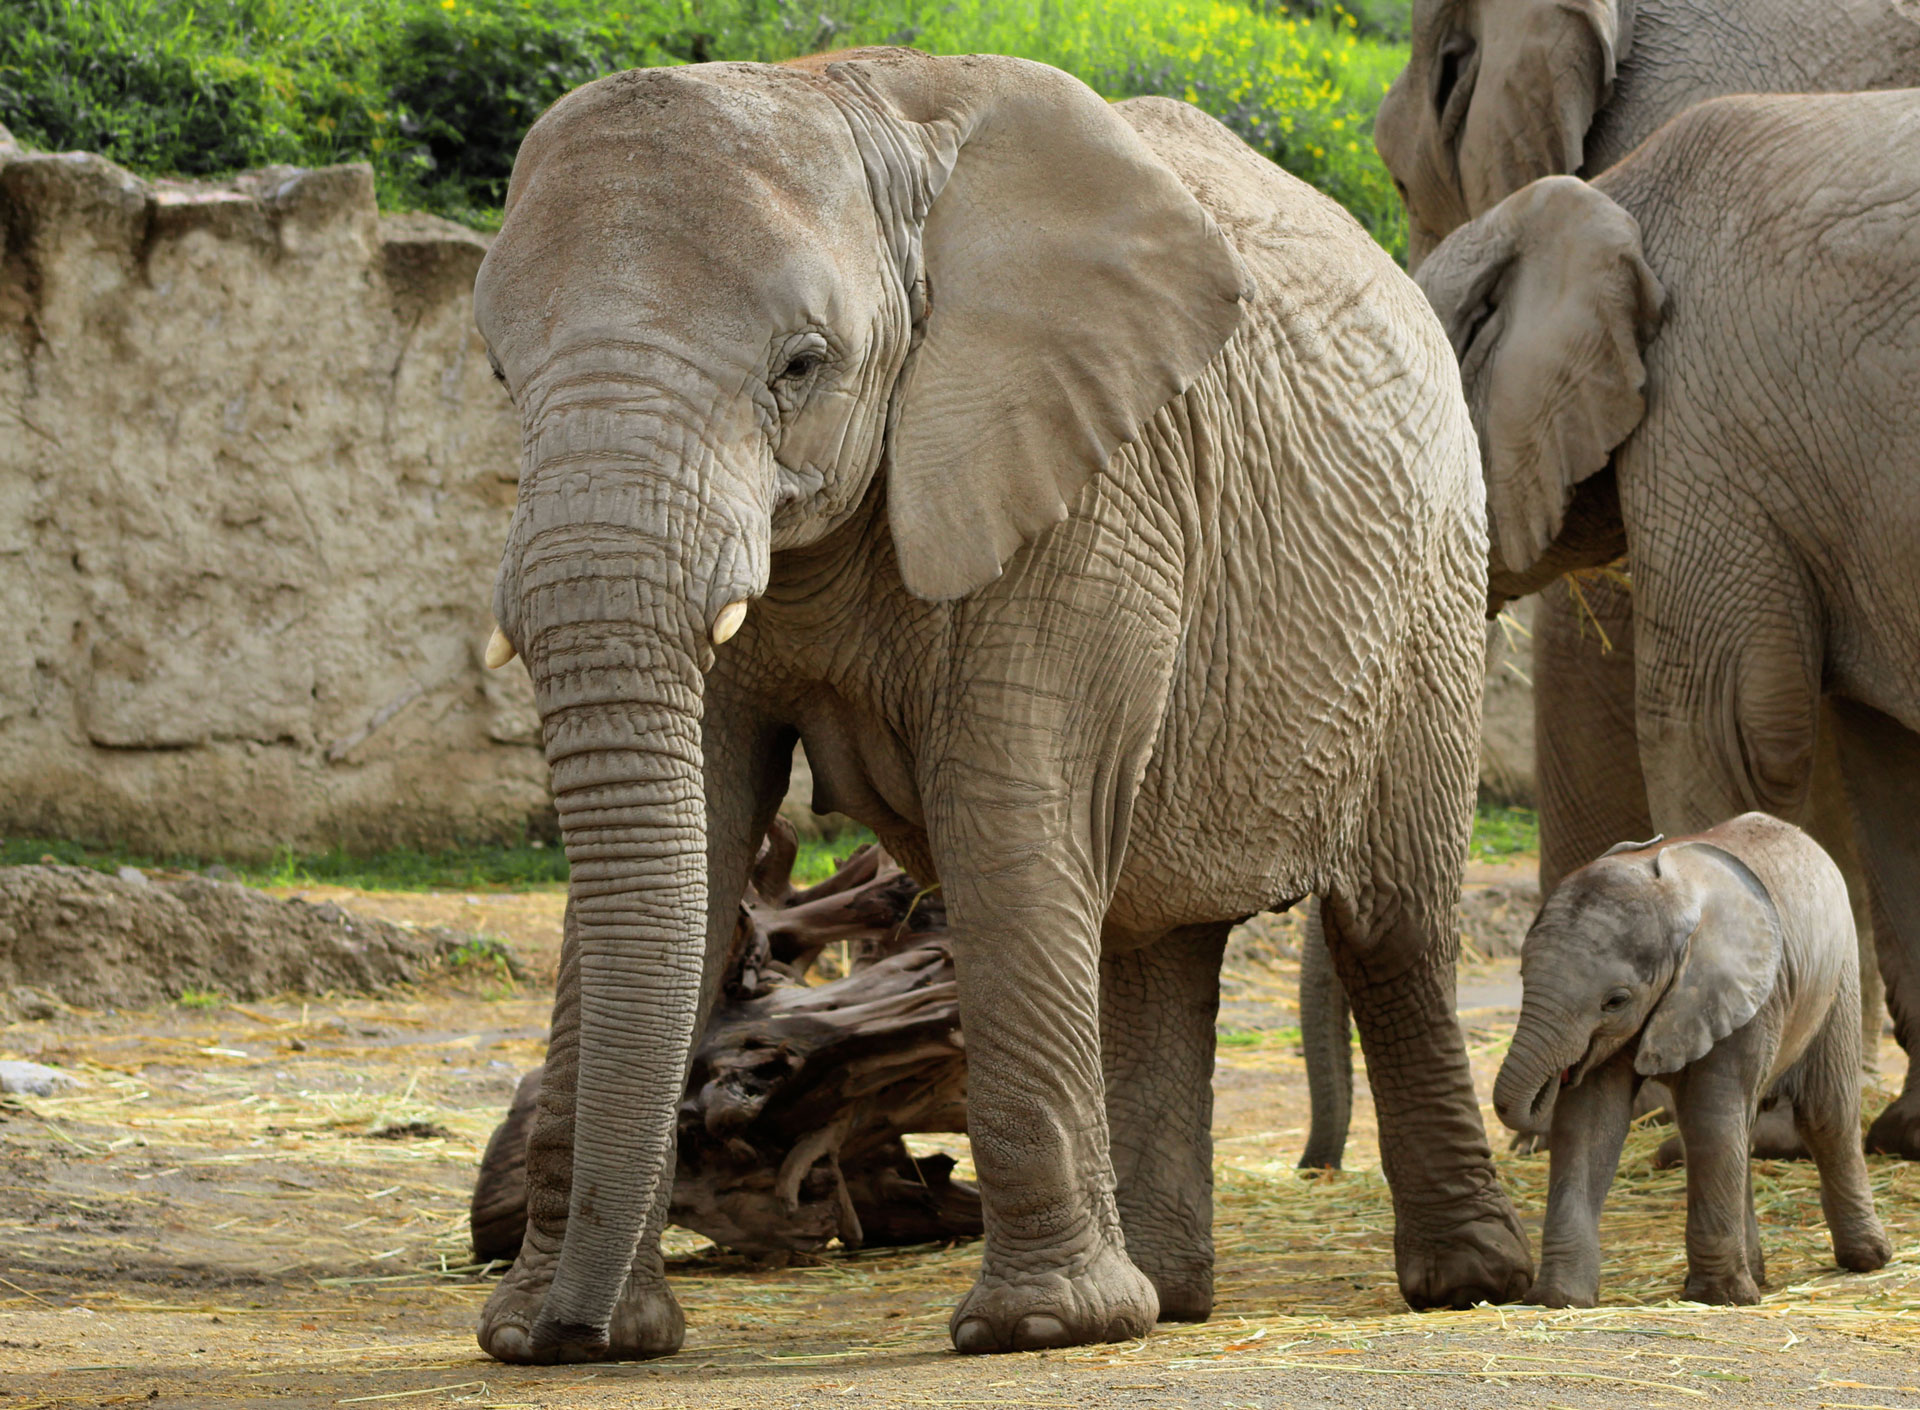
1616, 1001
798, 368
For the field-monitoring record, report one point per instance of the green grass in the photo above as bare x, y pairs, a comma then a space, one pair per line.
436, 94
1498, 833
477, 868
1503, 833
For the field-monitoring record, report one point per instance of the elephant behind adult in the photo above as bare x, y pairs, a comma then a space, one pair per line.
1097, 504
1499, 93
1762, 255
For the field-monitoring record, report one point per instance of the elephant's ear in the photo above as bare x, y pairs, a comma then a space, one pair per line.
1549, 303
1070, 285
1620, 847
1726, 933
1541, 70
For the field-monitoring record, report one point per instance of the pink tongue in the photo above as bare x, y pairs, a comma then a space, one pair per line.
1566, 1075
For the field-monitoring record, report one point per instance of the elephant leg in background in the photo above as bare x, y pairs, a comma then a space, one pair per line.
1326, 1037
1590, 790
1157, 1010
1389, 923
1881, 760
647, 1320
1829, 822
1590, 1123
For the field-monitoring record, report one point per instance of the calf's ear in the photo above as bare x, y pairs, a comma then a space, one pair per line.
1725, 932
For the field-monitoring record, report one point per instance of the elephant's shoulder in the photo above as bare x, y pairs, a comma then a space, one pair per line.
1250, 197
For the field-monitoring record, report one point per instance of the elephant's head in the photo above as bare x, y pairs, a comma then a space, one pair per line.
1669, 947
1495, 94
1549, 305
723, 298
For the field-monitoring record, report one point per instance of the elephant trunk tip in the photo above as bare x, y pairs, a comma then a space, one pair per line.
1528, 1110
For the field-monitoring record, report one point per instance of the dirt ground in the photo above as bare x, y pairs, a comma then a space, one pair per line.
265, 1204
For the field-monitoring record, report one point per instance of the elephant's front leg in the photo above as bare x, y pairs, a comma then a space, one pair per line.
1590, 1123
1024, 909
1713, 1107
1157, 1010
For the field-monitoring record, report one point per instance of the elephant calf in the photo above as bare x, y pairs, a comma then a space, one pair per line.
1724, 964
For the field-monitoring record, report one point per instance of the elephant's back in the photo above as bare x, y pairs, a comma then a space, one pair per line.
1318, 274
1333, 513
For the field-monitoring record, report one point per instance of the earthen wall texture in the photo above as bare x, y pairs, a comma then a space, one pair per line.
254, 479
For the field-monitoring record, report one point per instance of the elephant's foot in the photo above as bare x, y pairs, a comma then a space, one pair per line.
646, 1321
1721, 1289
1032, 1308
1481, 1257
1184, 1287
1896, 1131
1553, 1291
1862, 1250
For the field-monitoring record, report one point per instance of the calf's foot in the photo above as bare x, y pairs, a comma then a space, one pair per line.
1032, 1303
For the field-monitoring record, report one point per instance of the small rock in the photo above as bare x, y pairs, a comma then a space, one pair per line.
133, 874
220, 872
30, 1079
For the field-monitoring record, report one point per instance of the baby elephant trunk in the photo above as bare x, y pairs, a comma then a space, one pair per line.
1541, 1059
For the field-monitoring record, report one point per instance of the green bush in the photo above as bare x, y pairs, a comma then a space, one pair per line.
436, 93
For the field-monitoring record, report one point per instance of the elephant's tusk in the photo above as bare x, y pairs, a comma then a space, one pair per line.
728, 622
499, 650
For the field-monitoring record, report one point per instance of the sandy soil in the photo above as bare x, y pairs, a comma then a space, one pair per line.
266, 1204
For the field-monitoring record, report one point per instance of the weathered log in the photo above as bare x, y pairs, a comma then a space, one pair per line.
790, 1132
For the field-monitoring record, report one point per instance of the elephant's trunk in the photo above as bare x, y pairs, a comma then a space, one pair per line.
603, 579
1541, 1055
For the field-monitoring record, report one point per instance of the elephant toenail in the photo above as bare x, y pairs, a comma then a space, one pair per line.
1037, 1331
508, 1342
974, 1337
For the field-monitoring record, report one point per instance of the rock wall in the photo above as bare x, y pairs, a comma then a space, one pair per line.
254, 479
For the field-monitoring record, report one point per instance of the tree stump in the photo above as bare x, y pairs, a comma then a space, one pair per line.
799, 1094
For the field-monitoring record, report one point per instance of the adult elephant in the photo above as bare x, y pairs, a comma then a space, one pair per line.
1098, 505
1763, 255
1496, 94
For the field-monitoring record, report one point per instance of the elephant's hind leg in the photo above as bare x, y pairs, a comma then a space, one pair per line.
1827, 1110
1389, 923
1157, 1011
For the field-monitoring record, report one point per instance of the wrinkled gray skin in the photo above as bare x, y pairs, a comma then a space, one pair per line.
1497, 94
1726, 965
1712, 352
1108, 517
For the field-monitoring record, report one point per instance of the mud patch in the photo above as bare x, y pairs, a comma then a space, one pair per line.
73, 937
